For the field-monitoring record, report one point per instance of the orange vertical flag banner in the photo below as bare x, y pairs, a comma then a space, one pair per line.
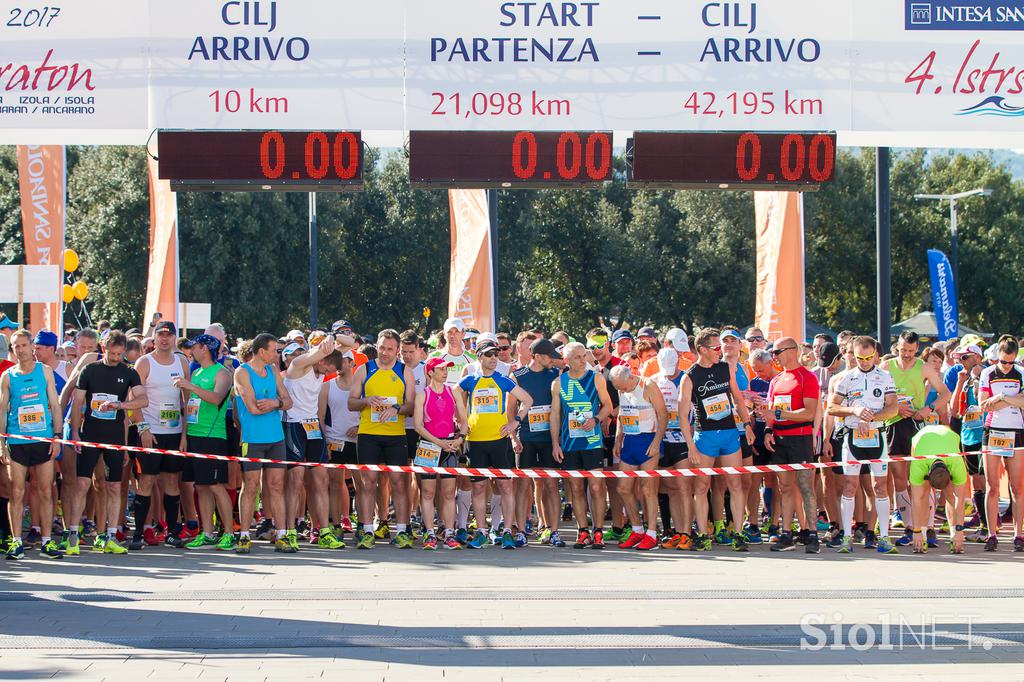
42, 178
471, 287
162, 284
779, 218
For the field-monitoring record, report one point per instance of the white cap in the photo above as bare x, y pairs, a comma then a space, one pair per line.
455, 322
348, 355
294, 334
668, 361
487, 336
678, 339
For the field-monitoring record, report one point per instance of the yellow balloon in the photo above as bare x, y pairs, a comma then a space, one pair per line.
81, 290
69, 293
70, 260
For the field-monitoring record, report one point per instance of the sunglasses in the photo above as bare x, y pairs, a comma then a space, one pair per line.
779, 351
865, 358
489, 354
755, 339
501, 348
1006, 362
714, 349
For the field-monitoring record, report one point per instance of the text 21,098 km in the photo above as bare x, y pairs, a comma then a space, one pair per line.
479, 104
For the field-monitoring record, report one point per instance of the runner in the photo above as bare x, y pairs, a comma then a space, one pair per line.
763, 372
208, 390
261, 393
599, 346
677, 340
533, 441
384, 391
103, 392
304, 436
790, 412
1000, 394
710, 389
491, 423
454, 351
864, 397
674, 455
341, 426
911, 375
580, 403
622, 342
524, 340
967, 419
440, 421
946, 476
28, 405
161, 426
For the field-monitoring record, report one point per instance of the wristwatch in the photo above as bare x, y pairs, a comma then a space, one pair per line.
519, 419
958, 528
778, 415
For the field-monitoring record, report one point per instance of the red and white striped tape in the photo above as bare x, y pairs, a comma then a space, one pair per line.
509, 473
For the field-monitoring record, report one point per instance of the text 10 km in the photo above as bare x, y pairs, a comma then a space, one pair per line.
247, 102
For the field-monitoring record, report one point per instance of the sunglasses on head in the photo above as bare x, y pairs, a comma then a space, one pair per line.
779, 351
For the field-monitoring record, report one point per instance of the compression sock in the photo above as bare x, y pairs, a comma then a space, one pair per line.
171, 504
463, 499
846, 506
905, 508
5, 520
666, 512
141, 510
979, 503
769, 497
882, 506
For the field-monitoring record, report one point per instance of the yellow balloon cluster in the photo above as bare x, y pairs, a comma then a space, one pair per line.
69, 293
81, 290
70, 260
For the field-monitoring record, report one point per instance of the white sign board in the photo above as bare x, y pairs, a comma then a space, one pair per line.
77, 67
193, 316
290, 64
39, 283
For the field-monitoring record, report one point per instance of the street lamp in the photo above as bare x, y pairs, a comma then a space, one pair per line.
952, 199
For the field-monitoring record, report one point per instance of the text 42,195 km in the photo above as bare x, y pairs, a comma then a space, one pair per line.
752, 104
479, 104
248, 102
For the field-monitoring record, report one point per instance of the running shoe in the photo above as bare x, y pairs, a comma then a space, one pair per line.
896, 520
1018, 544
383, 532
137, 543
73, 546
980, 535
685, 542
598, 539
701, 543
346, 525
15, 550
328, 540
265, 531
973, 522
314, 536
99, 542
813, 545
404, 540
430, 542
202, 540
582, 539
478, 541
823, 525
931, 539
283, 546
462, 536
556, 539
616, 535
859, 532
567, 512
529, 527
88, 529
784, 544
845, 545
992, 544
244, 545
632, 541
63, 544
227, 542
33, 538
886, 547
292, 537
545, 536
507, 540
647, 542
151, 537
739, 544
670, 541
870, 539
904, 540
50, 551
521, 539
723, 537
112, 546
773, 534
836, 541
451, 543
752, 535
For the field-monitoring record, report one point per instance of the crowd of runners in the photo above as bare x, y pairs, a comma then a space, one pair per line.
623, 400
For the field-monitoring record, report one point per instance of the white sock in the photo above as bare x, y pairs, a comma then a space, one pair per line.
45, 539
244, 534
882, 506
280, 534
111, 532
906, 508
650, 531
638, 529
496, 515
399, 527
463, 499
846, 507
368, 527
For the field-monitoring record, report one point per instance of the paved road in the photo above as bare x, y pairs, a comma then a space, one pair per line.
535, 613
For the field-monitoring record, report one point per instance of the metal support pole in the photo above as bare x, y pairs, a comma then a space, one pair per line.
883, 230
492, 211
313, 285
955, 246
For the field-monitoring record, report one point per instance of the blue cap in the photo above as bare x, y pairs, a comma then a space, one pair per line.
45, 338
621, 334
6, 322
731, 333
211, 342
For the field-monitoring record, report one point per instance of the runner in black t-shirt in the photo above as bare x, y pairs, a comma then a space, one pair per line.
104, 391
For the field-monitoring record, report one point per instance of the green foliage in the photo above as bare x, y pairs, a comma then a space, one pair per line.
567, 259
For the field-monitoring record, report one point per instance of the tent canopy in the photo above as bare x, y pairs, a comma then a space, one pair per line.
924, 324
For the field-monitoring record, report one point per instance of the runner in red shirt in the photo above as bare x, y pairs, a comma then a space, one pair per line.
789, 411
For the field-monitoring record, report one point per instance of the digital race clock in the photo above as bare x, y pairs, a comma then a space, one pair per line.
276, 160
522, 159
731, 160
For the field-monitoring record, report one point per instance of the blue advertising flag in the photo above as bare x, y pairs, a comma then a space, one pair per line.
947, 317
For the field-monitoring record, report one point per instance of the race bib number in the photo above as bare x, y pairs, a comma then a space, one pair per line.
192, 410
577, 420
487, 401
335, 447
673, 419
1003, 441
312, 429
427, 454
932, 419
97, 400
31, 418
377, 411
782, 402
905, 400
717, 406
866, 436
629, 417
972, 417
170, 415
540, 419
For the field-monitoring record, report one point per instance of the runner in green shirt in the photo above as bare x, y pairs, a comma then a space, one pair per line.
947, 474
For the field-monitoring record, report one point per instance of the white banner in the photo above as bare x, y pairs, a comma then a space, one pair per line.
291, 64
30, 283
77, 67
